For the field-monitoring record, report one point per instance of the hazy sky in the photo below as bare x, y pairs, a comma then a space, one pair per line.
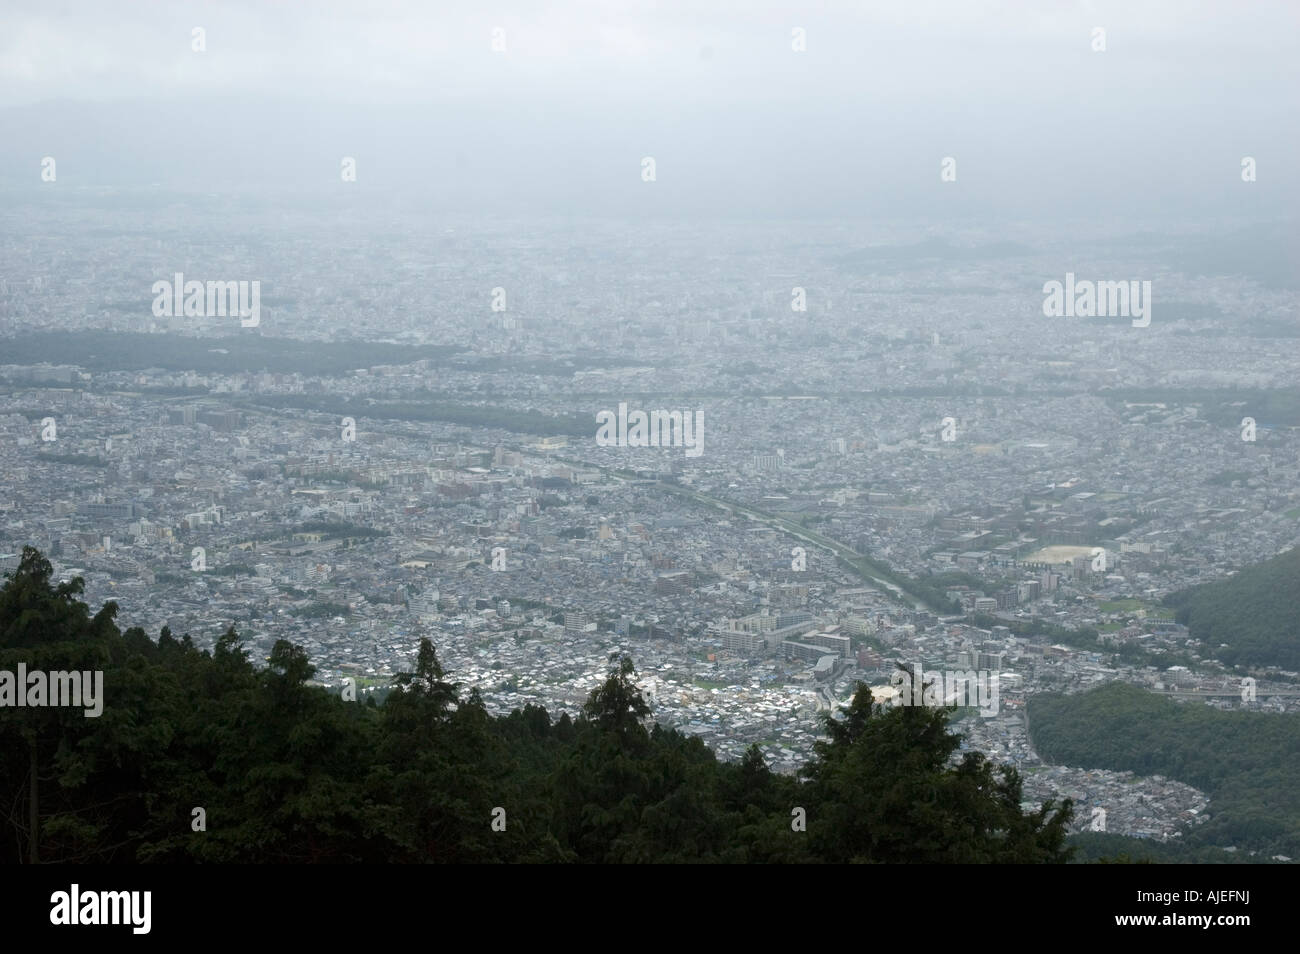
1039, 123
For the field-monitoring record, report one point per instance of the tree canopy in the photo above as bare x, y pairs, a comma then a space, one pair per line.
201, 756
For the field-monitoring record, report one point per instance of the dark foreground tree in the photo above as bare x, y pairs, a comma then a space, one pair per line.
883, 787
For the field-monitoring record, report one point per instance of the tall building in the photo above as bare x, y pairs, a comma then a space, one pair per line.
107, 511
224, 421
425, 605
673, 584
793, 618
740, 642
840, 645
808, 652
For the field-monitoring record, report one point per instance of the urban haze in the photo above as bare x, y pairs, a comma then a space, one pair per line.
745, 357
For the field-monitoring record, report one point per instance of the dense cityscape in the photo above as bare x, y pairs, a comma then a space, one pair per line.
648, 433
1010, 479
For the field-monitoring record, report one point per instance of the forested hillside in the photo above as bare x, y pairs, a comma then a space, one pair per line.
1247, 762
1255, 611
284, 771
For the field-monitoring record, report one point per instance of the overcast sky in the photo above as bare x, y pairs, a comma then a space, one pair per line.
1039, 123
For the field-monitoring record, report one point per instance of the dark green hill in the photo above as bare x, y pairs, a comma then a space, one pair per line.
1247, 762
1256, 611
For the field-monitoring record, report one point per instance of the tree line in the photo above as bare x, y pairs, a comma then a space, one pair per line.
203, 756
